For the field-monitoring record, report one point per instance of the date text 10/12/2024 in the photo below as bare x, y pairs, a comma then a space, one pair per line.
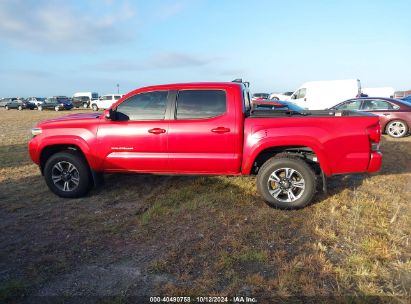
205, 299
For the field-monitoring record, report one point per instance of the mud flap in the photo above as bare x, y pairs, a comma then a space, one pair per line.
324, 179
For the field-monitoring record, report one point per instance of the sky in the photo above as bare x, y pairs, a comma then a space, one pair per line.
56, 47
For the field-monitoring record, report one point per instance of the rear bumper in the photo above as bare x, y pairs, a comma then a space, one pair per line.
375, 162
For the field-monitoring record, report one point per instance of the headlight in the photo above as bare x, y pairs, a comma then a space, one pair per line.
36, 131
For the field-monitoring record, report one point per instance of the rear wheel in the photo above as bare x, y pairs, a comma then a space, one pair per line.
397, 129
56, 108
286, 182
6, 107
95, 107
67, 175
85, 105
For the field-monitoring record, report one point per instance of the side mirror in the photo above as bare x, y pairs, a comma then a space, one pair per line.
109, 114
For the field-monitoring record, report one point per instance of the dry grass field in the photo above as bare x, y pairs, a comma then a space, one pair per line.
178, 235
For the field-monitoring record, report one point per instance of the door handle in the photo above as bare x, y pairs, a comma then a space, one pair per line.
386, 114
220, 130
156, 131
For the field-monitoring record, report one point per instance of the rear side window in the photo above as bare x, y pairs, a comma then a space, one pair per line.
378, 105
144, 106
199, 104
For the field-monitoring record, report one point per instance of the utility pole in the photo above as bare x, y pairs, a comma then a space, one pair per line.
118, 88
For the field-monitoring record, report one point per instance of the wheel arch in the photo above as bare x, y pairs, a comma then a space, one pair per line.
313, 155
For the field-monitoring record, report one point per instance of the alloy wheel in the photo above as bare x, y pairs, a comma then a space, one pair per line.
286, 185
65, 176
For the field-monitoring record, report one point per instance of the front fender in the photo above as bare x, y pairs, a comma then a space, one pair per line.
39, 143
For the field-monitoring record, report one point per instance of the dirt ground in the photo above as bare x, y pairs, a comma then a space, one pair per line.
143, 235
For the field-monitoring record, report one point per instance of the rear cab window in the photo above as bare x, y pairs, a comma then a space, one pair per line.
200, 104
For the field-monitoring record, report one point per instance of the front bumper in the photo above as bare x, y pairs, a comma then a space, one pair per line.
375, 162
34, 150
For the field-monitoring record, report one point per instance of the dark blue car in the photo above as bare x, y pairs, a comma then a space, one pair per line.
56, 103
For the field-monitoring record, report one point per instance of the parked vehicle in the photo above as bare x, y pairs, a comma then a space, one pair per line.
91, 97
56, 103
105, 101
395, 115
260, 96
281, 96
386, 92
19, 104
80, 101
206, 128
4, 101
319, 95
407, 99
36, 100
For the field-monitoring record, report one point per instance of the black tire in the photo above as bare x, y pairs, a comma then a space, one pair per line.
94, 107
6, 107
40, 108
83, 174
20, 108
275, 98
397, 128
85, 105
303, 173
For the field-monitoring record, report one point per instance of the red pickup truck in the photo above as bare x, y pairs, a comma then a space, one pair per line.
206, 128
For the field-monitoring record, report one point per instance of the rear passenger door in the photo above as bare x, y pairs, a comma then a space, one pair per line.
202, 135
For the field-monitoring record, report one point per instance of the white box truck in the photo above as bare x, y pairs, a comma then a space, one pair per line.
319, 95
387, 92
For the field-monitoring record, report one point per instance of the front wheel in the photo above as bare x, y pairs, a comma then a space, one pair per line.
95, 107
85, 105
67, 175
6, 107
286, 182
40, 108
20, 108
56, 108
397, 128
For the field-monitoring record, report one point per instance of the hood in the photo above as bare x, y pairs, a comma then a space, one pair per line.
72, 117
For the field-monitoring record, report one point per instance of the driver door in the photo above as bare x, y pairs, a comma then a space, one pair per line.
136, 140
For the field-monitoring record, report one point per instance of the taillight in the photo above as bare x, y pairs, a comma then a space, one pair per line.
374, 134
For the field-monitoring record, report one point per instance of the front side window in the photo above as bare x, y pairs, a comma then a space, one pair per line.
144, 106
301, 93
199, 104
351, 105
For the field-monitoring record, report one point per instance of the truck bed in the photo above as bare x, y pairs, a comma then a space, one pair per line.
267, 113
